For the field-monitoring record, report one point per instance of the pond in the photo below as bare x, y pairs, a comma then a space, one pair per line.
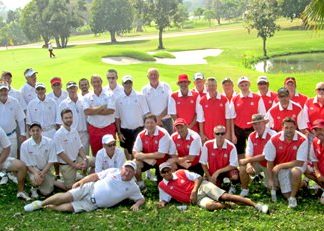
292, 63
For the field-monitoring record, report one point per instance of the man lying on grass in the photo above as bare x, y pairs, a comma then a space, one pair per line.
99, 190
189, 187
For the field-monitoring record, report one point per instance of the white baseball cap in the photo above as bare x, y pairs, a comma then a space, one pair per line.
29, 72
243, 79
130, 163
4, 85
198, 75
165, 165
40, 85
106, 139
262, 79
127, 78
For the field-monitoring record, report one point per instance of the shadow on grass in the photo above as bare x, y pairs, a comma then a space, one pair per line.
124, 42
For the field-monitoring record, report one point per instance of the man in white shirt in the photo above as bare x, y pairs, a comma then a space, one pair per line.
109, 156
75, 104
43, 111
28, 90
98, 190
38, 153
113, 87
69, 149
8, 163
58, 95
131, 108
157, 95
84, 86
100, 109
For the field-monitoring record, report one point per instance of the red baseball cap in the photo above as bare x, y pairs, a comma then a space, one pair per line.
56, 80
183, 78
290, 79
180, 121
318, 124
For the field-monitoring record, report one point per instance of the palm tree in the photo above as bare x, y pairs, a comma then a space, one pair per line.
314, 14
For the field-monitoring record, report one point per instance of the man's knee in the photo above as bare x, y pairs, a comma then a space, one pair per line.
296, 172
17, 165
211, 206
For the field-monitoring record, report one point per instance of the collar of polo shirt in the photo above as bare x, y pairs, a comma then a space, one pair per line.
290, 106
174, 177
250, 95
282, 136
156, 131
224, 144
218, 96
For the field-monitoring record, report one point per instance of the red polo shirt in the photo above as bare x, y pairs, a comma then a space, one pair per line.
314, 110
299, 98
317, 154
269, 99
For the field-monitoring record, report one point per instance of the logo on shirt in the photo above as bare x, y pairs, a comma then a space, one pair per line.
126, 189
278, 117
280, 147
295, 147
188, 146
206, 106
178, 102
213, 154
171, 187
182, 181
191, 101
311, 108
293, 115
156, 142
178, 145
252, 103
225, 155
270, 101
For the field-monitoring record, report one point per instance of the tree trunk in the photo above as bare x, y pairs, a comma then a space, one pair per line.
264, 47
160, 39
113, 36
46, 40
139, 28
218, 20
57, 40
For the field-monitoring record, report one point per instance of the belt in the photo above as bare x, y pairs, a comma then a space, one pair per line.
93, 199
48, 128
66, 163
10, 133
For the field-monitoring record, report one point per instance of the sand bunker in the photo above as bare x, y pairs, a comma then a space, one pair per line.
181, 58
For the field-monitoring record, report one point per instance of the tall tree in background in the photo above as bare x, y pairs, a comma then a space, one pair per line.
292, 8
115, 16
163, 13
314, 14
141, 14
261, 15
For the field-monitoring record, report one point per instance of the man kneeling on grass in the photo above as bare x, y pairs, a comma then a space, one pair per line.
99, 190
189, 187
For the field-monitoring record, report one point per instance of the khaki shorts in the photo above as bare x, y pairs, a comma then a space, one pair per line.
284, 179
208, 193
7, 164
82, 198
47, 186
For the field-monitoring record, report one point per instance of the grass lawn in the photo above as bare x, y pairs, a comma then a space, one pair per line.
82, 61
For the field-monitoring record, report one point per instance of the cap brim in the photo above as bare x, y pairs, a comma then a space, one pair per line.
258, 121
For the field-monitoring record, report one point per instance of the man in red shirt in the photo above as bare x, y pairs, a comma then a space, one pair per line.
182, 103
228, 89
269, 97
245, 105
286, 108
286, 154
151, 147
291, 85
199, 81
314, 107
188, 187
254, 162
219, 159
213, 109
316, 172
186, 147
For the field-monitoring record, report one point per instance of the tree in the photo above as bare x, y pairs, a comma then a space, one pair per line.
163, 13
314, 14
292, 8
261, 15
209, 15
199, 12
141, 14
115, 16
181, 15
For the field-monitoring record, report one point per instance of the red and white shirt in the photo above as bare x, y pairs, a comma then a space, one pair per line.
190, 146
277, 114
269, 99
213, 111
280, 151
217, 158
255, 144
245, 107
313, 110
201, 93
158, 142
317, 154
299, 98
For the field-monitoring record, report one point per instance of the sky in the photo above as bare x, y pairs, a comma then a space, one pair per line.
13, 4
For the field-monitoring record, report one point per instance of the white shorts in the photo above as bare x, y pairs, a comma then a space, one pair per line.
84, 137
14, 145
82, 198
284, 178
7, 164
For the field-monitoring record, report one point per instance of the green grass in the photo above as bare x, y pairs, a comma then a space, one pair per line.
131, 54
163, 54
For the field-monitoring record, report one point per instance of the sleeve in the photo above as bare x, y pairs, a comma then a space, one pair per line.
120, 157
302, 120
233, 110
269, 117
163, 196
269, 151
172, 110
21, 101
200, 112
164, 143
312, 156
302, 151
191, 175
58, 147
305, 109
20, 115
138, 145
4, 140
204, 156
249, 148
136, 195
168, 89
261, 108
144, 105
111, 103
79, 143
106, 172
233, 157
173, 148
98, 165
117, 111
24, 154
52, 155
85, 103
195, 147
28, 115
229, 113
58, 113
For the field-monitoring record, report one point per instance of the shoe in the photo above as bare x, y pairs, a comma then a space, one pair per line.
34, 193
232, 189
33, 206
12, 177
244, 192
273, 195
4, 180
292, 202
262, 208
322, 198
23, 195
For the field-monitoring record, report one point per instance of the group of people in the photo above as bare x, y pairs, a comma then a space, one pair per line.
195, 139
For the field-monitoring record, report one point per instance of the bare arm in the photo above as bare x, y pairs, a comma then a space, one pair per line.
4, 154
135, 207
90, 178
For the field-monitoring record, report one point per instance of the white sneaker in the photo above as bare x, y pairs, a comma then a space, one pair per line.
322, 198
34, 193
262, 208
273, 195
244, 192
232, 189
12, 177
4, 180
292, 202
33, 206
23, 195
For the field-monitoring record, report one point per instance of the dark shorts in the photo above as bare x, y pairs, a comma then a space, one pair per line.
196, 169
242, 135
147, 166
230, 174
130, 137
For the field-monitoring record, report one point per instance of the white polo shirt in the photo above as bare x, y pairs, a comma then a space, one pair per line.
103, 161
43, 112
38, 155
18, 96
79, 118
157, 98
4, 141
131, 110
92, 100
116, 93
58, 100
68, 142
11, 112
110, 189
28, 92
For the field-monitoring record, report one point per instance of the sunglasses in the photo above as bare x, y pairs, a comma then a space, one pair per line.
111, 145
219, 133
320, 89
